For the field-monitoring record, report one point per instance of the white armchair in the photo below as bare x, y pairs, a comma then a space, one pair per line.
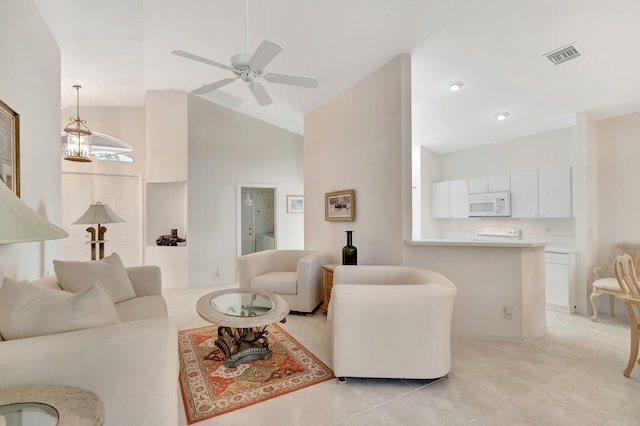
295, 275
390, 322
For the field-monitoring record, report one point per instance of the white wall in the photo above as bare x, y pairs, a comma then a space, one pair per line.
167, 135
227, 148
30, 84
357, 140
617, 188
540, 151
585, 202
618, 182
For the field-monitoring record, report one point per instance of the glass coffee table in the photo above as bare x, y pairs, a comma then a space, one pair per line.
242, 317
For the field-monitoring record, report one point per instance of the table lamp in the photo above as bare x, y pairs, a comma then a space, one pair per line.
19, 223
98, 213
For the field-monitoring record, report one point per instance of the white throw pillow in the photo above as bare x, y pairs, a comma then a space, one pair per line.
109, 273
28, 310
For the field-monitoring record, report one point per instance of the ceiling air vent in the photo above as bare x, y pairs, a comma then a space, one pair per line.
563, 55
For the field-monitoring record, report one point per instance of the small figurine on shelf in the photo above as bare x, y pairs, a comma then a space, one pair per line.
170, 240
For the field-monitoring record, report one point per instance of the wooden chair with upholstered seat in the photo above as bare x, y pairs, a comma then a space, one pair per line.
625, 272
605, 281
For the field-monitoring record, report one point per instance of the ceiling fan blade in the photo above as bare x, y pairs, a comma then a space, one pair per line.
293, 80
213, 86
203, 60
265, 54
260, 94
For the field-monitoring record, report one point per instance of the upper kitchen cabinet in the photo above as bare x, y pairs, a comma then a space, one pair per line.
541, 193
449, 199
524, 194
554, 192
496, 183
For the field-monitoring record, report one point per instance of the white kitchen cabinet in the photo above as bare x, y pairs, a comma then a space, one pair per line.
449, 198
458, 191
524, 194
560, 281
554, 192
440, 199
496, 183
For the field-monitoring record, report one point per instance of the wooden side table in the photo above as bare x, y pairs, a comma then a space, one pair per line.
327, 274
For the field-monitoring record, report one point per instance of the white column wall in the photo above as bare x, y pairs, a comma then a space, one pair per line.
30, 84
358, 140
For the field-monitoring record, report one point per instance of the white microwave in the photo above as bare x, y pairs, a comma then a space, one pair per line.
489, 204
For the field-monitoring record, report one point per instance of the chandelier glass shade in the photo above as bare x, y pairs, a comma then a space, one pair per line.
78, 136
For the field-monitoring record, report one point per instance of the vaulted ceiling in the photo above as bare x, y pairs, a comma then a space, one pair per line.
119, 49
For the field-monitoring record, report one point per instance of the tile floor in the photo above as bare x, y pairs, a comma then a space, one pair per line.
571, 376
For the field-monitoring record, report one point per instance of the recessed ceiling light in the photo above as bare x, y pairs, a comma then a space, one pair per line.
455, 86
501, 116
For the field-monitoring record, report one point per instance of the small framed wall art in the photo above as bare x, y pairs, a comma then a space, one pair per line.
10, 148
340, 206
295, 204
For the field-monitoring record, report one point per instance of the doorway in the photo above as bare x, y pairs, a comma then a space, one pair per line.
258, 218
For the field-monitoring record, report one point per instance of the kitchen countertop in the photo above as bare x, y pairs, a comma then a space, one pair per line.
479, 242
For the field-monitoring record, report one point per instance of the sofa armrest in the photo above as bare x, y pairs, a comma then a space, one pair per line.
132, 367
146, 280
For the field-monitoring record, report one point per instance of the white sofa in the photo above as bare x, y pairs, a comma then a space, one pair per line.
296, 275
390, 322
132, 365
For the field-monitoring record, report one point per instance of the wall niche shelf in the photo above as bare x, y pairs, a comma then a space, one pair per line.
167, 210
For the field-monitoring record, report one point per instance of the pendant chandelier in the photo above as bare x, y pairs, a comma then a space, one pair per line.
78, 136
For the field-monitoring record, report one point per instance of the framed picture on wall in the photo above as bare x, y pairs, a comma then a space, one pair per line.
340, 205
295, 204
10, 148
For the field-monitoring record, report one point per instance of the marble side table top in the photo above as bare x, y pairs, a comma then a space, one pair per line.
75, 406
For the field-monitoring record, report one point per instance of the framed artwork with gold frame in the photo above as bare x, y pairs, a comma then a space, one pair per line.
10, 148
340, 206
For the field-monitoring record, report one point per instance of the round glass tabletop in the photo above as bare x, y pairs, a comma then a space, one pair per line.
28, 413
242, 304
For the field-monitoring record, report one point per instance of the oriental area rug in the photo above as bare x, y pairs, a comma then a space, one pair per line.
210, 389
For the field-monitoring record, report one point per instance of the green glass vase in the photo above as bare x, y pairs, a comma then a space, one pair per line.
349, 252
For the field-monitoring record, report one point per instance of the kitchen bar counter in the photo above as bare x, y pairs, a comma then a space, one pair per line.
501, 284
479, 242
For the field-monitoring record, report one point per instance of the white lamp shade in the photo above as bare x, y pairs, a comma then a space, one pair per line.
98, 213
19, 223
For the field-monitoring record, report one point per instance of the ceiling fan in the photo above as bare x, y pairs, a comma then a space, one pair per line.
248, 68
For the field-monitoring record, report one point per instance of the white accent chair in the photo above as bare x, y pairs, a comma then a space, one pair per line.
295, 275
390, 322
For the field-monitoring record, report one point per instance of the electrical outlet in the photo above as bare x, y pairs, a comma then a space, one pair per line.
218, 273
508, 312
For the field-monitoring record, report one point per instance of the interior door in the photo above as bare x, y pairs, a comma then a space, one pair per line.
123, 194
247, 225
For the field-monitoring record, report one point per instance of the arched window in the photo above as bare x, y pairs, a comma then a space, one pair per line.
105, 147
